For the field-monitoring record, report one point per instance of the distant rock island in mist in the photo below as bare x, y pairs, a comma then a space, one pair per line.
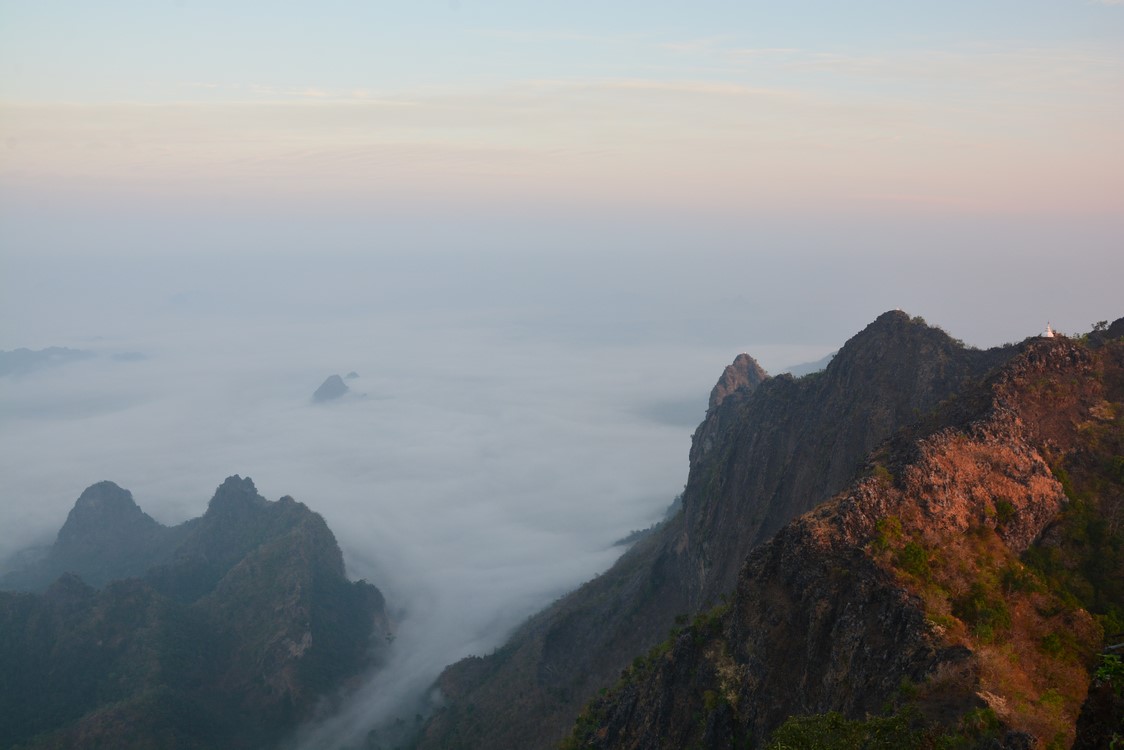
917, 546
331, 389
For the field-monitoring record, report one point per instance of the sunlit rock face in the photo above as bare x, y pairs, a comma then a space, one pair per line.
906, 595
768, 450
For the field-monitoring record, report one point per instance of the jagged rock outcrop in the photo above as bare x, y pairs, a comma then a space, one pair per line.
940, 586
739, 379
1101, 722
768, 450
332, 388
245, 629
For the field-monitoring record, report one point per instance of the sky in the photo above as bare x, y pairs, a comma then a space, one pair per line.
729, 109
538, 232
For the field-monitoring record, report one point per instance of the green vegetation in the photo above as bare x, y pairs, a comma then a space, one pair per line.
1110, 671
888, 531
1004, 512
1083, 563
705, 626
895, 731
831, 731
709, 623
883, 475
984, 611
586, 727
979, 724
1016, 579
913, 559
1086, 567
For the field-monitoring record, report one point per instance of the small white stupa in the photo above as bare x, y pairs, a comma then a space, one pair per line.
1049, 334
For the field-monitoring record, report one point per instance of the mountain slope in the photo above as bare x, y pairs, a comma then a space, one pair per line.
949, 586
768, 450
106, 537
243, 632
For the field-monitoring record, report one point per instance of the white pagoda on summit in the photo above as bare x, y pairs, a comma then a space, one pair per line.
1049, 334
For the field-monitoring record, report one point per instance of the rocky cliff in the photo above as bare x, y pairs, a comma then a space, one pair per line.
956, 596
768, 450
243, 630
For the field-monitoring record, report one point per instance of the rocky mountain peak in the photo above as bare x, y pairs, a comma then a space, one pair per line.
332, 388
769, 450
103, 509
905, 596
105, 497
737, 382
235, 493
743, 374
231, 629
106, 536
892, 333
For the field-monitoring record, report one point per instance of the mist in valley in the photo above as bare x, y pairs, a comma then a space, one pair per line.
484, 461
512, 412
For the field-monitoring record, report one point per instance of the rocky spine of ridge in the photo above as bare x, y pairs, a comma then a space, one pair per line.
768, 450
940, 589
249, 627
739, 379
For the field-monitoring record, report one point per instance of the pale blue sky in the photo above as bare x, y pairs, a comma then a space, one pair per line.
154, 51
730, 129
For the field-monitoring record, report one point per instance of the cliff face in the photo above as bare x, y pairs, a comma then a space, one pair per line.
768, 450
951, 586
796, 442
242, 632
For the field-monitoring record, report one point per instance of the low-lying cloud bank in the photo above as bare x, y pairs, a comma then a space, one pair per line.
515, 413
474, 471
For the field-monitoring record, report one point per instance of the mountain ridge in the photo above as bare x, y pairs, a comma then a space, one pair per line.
244, 628
766, 451
910, 588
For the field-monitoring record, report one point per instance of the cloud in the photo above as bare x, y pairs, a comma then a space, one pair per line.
716, 88
516, 378
770, 128
485, 470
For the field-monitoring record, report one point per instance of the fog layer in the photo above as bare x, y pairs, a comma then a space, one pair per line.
522, 400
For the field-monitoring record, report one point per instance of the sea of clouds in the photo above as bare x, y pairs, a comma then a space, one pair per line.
522, 401
497, 441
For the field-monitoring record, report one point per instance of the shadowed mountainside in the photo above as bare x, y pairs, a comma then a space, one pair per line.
768, 450
241, 631
106, 537
963, 586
